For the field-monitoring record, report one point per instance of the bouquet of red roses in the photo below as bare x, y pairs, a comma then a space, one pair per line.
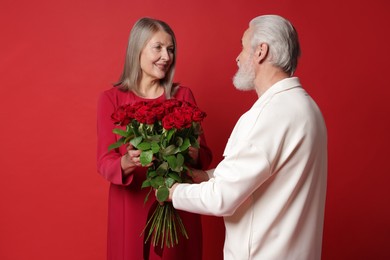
163, 131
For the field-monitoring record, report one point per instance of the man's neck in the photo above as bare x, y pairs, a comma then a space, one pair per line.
264, 82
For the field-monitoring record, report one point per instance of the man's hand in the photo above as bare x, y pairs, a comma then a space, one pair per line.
171, 190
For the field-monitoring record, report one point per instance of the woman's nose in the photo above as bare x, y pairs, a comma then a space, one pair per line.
165, 55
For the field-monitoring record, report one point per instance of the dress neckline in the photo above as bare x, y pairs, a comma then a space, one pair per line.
161, 97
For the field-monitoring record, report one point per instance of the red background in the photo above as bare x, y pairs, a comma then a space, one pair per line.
57, 56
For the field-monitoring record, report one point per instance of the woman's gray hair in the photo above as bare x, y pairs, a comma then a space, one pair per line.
140, 34
282, 40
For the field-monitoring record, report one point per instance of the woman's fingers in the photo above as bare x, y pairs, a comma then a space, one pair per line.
193, 153
134, 157
130, 147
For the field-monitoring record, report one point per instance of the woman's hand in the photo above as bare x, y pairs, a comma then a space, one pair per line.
194, 154
198, 176
131, 160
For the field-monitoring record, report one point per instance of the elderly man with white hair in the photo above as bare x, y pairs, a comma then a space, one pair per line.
271, 185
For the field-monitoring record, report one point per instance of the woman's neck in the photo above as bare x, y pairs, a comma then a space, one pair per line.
151, 89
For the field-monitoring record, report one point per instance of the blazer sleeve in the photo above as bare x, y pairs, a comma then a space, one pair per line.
245, 167
108, 162
235, 179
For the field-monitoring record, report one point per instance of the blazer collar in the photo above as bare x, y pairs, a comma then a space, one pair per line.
279, 86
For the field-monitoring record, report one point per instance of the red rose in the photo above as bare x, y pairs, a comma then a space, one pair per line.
182, 120
185, 109
170, 104
150, 117
168, 122
198, 115
141, 113
188, 104
120, 116
158, 109
138, 104
130, 111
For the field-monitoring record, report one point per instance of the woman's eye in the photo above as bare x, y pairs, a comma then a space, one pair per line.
171, 50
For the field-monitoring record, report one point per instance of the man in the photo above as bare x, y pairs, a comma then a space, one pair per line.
271, 185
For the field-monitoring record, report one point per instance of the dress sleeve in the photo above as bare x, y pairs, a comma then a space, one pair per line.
205, 154
108, 162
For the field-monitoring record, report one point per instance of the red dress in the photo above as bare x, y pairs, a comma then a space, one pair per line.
127, 213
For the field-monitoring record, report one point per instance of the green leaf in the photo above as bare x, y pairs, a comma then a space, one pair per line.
141, 129
136, 141
157, 182
134, 126
151, 174
154, 138
120, 132
175, 162
145, 184
169, 182
180, 160
172, 162
194, 142
162, 194
179, 141
196, 145
197, 129
143, 146
128, 139
162, 169
170, 134
155, 147
147, 195
175, 176
185, 144
117, 144
164, 142
146, 157
172, 149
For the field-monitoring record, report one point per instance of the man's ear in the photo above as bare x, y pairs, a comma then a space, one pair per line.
261, 52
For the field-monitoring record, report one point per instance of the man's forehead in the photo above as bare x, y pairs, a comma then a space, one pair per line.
246, 34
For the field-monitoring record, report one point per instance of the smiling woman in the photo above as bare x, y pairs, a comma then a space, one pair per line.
147, 77
152, 44
156, 60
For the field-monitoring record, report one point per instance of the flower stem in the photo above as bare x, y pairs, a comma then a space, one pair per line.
163, 226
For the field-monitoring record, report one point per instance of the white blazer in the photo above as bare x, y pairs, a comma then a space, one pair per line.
271, 185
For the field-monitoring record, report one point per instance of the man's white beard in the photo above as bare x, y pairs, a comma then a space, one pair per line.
245, 77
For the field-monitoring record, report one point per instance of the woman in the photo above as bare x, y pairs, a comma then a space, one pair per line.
147, 75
